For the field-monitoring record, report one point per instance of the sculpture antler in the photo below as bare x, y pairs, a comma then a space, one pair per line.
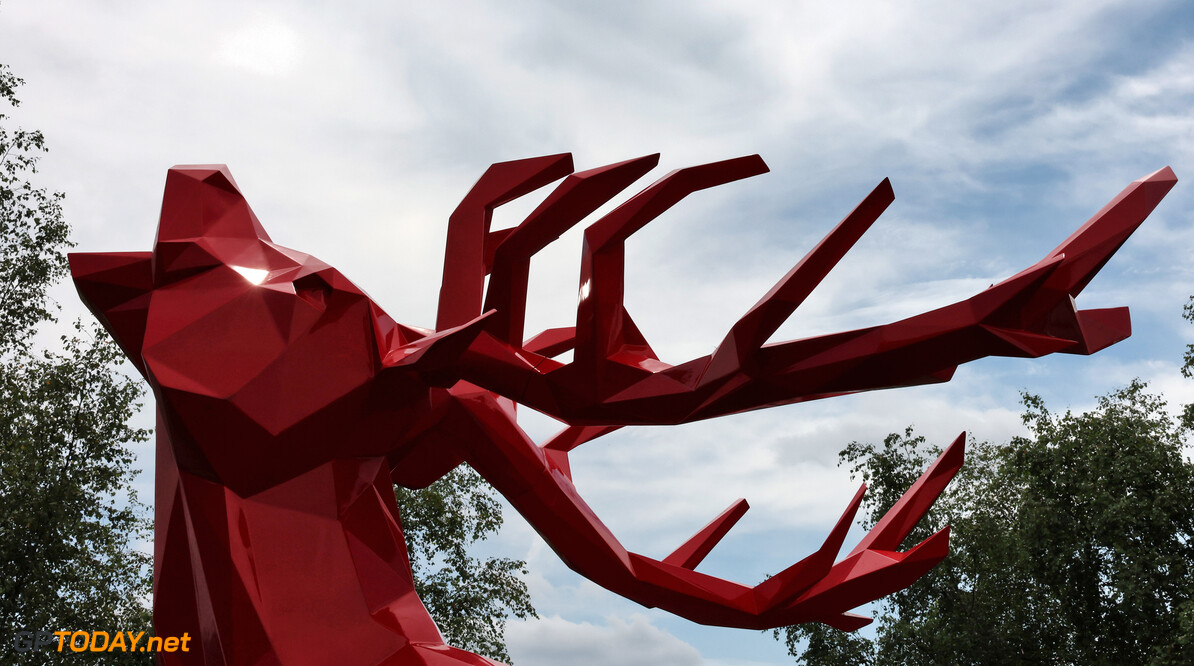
537, 481
616, 378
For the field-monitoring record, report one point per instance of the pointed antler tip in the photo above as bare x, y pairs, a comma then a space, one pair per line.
956, 451
1164, 174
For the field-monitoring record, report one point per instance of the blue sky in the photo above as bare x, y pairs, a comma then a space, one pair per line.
354, 132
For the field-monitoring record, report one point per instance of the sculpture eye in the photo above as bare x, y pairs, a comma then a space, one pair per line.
313, 289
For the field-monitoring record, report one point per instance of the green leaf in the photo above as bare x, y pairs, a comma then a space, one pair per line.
470, 598
1074, 545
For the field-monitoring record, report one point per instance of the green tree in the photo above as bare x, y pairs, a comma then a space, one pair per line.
470, 598
1188, 366
70, 524
1070, 546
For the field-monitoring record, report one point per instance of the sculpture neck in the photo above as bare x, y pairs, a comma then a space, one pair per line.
259, 576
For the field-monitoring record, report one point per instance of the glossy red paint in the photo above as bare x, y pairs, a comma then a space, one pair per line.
288, 402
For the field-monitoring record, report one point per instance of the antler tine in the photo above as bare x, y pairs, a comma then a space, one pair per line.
791, 582
1089, 248
468, 231
551, 342
915, 502
868, 576
602, 326
874, 567
579, 195
761, 321
693, 552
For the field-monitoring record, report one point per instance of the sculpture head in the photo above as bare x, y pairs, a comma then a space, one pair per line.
254, 347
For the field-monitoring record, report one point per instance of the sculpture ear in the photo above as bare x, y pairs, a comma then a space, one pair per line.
205, 222
116, 287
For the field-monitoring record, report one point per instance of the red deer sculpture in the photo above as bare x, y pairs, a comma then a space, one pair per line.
288, 403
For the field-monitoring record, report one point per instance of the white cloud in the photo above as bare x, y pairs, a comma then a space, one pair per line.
263, 45
632, 641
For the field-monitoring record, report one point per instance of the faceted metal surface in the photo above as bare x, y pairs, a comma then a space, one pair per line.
288, 402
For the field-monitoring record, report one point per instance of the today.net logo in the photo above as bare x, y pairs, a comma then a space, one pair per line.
100, 641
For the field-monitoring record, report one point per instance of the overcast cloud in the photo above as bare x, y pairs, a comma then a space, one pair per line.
354, 131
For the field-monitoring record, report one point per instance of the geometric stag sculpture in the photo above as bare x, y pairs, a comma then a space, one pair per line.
289, 403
